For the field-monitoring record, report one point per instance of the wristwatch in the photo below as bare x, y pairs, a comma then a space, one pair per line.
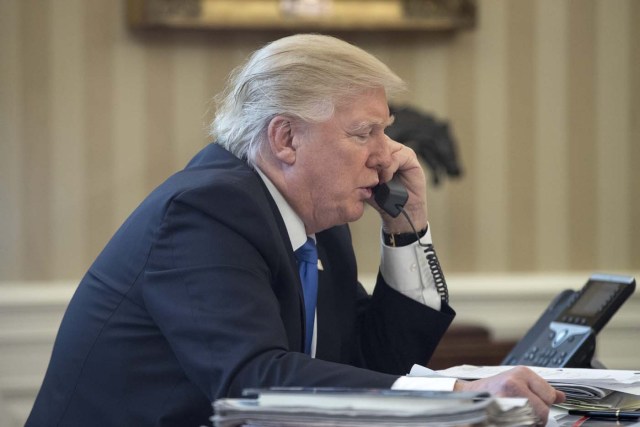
402, 239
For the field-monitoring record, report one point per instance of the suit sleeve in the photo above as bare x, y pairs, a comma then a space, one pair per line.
397, 331
386, 332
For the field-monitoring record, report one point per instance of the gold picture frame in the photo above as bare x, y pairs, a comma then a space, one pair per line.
308, 15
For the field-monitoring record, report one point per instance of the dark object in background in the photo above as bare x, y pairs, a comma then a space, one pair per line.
429, 138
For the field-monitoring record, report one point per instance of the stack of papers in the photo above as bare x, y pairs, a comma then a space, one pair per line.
322, 407
584, 388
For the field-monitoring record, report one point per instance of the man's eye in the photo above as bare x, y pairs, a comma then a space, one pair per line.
362, 137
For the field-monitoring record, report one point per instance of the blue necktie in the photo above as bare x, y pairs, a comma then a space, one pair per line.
307, 257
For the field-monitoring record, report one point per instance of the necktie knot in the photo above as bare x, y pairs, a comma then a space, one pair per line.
308, 252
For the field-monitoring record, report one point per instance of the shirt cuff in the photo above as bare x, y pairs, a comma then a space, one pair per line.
424, 383
405, 269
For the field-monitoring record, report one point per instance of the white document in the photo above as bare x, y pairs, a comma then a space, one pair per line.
584, 388
618, 380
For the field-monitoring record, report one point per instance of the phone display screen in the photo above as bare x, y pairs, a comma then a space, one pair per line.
598, 300
593, 299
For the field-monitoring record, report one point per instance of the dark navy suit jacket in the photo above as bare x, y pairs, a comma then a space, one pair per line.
197, 296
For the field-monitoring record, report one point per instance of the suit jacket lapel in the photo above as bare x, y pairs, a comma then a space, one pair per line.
295, 331
328, 346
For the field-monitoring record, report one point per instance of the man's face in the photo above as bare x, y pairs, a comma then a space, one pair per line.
339, 161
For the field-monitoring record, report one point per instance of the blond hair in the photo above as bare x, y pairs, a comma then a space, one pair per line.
304, 76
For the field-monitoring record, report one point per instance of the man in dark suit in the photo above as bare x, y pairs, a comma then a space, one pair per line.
198, 295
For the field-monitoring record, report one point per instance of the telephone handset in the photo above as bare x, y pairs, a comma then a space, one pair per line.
391, 196
564, 335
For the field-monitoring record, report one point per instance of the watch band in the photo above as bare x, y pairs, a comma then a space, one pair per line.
402, 239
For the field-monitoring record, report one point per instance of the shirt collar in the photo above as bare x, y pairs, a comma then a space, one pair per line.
293, 222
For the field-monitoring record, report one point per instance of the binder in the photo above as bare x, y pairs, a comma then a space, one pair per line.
322, 407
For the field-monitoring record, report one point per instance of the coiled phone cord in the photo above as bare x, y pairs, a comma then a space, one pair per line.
432, 260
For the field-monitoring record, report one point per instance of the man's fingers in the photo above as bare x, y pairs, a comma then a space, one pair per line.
560, 397
522, 381
540, 408
542, 389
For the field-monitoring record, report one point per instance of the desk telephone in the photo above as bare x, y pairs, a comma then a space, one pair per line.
565, 334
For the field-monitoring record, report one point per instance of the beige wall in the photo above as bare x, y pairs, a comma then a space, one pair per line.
543, 97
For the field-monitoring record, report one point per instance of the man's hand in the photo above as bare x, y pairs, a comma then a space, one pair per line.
518, 382
406, 166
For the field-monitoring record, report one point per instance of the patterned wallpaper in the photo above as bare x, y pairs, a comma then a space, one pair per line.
543, 98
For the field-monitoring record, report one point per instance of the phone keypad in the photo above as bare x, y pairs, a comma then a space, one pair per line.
557, 347
545, 357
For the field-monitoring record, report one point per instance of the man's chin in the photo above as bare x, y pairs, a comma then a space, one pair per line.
356, 213
344, 215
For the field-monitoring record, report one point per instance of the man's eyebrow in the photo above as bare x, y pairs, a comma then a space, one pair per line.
368, 124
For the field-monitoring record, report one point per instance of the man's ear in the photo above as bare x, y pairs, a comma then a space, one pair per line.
280, 134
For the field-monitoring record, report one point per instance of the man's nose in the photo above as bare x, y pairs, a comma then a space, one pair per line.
380, 157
